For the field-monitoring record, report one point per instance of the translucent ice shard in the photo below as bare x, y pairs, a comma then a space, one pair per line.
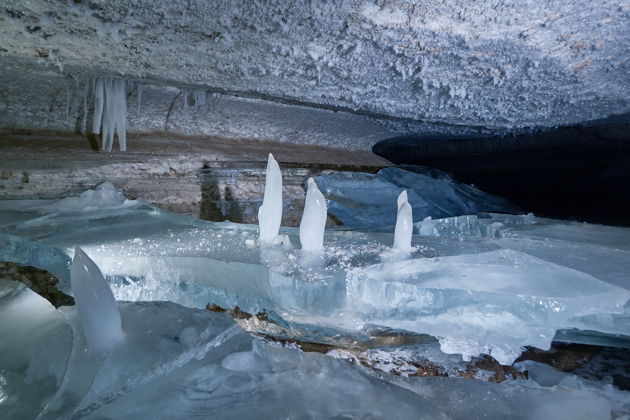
270, 213
313, 221
404, 224
98, 311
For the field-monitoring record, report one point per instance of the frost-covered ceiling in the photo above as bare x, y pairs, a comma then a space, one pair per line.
504, 64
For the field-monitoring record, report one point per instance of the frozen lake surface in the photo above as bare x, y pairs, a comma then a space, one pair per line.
479, 284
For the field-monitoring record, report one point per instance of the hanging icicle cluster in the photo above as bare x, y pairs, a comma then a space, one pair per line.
110, 108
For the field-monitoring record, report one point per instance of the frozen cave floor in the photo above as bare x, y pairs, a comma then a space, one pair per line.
489, 316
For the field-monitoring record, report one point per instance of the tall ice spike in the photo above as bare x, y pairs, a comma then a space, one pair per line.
270, 213
313, 221
404, 224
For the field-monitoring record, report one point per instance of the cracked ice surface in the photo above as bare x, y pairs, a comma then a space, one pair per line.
487, 283
175, 362
492, 302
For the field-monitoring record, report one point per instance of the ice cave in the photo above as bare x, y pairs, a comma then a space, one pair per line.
322, 209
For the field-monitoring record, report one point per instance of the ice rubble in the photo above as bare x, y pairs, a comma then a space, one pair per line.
490, 283
368, 200
110, 112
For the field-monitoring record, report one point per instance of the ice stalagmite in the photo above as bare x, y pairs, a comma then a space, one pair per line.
404, 224
110, 111
270, 213
96, 307
313, 219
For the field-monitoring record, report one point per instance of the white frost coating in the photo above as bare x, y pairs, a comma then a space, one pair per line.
270, 213
404, 224
110, 108
383, 16
98, 311
313, 221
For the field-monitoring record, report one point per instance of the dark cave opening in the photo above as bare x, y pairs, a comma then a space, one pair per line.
577, 173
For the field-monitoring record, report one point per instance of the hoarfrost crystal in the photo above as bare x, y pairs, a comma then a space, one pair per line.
313, 221
270, 213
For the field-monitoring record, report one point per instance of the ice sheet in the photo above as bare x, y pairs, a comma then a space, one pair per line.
492, 303
179, 362
150, 254
368, 200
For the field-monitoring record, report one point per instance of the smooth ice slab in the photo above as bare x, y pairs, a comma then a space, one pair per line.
493, 302
97, 308
270, 213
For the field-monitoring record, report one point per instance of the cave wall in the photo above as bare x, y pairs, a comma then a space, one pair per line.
499, 64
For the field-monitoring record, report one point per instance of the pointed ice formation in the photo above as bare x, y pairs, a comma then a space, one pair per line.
270, 213
96, 307
313, 219
110, 109
404, 224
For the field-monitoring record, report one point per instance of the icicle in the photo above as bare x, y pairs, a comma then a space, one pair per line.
404, 224
108, 115
120, 106
185, 102
313, 221
67, 100
99, 99
200, 97
110, 101
85, 110
139, 94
